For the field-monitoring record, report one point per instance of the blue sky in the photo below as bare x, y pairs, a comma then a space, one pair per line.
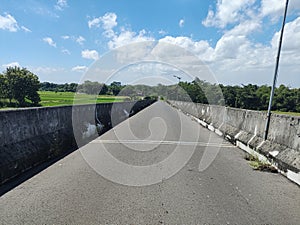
59, 39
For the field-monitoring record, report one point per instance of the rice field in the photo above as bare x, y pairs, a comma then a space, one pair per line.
49, 98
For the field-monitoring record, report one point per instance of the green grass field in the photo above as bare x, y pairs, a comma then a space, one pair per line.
49, 98
287, 113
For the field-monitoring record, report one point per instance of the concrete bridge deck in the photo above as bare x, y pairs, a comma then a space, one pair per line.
86, 187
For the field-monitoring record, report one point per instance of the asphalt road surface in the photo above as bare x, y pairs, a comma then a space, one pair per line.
158, 167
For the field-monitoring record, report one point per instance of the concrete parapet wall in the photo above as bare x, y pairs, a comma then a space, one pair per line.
31, 136
246, 128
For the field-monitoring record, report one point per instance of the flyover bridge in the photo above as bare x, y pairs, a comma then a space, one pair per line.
157, 167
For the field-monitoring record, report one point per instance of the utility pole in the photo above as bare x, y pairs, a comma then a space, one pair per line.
275, 73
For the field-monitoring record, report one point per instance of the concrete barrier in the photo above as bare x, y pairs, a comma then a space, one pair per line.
31, 136
245, 128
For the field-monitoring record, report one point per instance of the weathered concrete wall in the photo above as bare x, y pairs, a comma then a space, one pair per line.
31, 136
246, 128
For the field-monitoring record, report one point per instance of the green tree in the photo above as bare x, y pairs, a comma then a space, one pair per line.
284, 99
93, 88
2, 86
230, 95
115, 88
22, 84
263, 94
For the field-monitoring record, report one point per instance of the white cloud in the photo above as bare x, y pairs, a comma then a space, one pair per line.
200, 48
79, 69
108, 21
162, 32
46, 70
291, 44
66, 51
272, 7
236, 55
12, 64
80, 40
25, 29
126, 37
49, 41
61, 4
229, 47
227, 12
117, 39
245, 28
65, 37
275, 8
8, 22
291, 36
181, 23
90, 54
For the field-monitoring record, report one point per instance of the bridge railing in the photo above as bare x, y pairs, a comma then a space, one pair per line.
246, 128
31, 136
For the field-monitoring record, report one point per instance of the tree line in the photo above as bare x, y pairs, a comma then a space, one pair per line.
248, 96
20, 87
88, 87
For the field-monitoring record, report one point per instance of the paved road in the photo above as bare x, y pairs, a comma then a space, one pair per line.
71, 191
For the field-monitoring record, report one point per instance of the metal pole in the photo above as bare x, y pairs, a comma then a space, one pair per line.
275, 73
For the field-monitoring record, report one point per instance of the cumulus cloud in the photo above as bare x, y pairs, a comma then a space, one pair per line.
200, 48
271, 7
227, 12
229, 47
116, 39
181, 23
61, 5
291, 44
108, 21
12, 64
126, 37
79, 69
245, 28
8, 22
90, 54
234, 51
49, 41
275, 8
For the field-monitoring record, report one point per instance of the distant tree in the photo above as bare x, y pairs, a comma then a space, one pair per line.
73, 87
93, 88
284, 99
297, 96
103, 90
115, 88
263, 94
193, 91
21, 84
3, 87
230, 94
